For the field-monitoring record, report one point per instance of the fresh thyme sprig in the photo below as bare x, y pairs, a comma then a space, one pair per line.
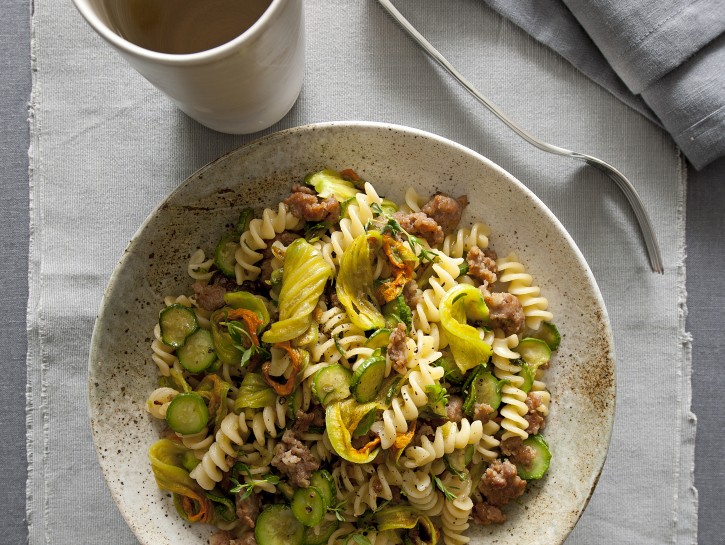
246, 489
450, 496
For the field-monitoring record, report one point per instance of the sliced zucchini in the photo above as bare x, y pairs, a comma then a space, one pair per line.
529, 373
308, 506
548, 333
177, 322
379, 339
484, 388
451, 371
294, 403
224, 254
245, 218
331, 383
534, 351
388, 206
540, 463
320, 534
397, 311
276, 525
187, 414
322, 481
367, 378
197, 353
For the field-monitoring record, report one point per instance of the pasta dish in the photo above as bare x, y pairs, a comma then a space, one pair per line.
349, 370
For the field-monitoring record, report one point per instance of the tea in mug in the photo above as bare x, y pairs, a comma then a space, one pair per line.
184, 26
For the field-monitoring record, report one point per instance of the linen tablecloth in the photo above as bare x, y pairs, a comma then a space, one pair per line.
106, 148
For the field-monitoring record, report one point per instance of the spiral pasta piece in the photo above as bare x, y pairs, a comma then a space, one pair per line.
513, 399
233, 432
419, 488
199, 266
358, 214
404, 407
458, 243
446, 270
520, 284
339, 336
456, 512
413, 201
163, 355
255, 238
159, 400
447, 438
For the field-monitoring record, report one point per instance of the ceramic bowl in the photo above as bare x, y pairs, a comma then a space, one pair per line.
581, 378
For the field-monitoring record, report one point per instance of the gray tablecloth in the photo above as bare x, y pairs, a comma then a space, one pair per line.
206, 145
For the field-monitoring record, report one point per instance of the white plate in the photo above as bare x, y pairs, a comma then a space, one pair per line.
581, 379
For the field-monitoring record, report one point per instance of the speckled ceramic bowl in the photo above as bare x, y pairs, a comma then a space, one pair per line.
581, 378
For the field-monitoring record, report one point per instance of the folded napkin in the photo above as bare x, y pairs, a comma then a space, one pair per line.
665, 59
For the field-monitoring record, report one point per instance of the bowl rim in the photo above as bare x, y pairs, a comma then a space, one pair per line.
600, 460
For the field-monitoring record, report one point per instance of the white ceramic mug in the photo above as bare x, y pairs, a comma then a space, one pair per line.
242, 86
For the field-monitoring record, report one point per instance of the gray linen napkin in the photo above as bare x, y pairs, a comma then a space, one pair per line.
665, 59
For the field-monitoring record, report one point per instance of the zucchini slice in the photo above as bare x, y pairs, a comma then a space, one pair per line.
540, 463
187, 414
484, 388
322, 481
367, 378
451, 371
320, 534
276, 525
197, 353
224, 254
548, 333
379, 339
331, 383
177, 322
308, 506
529, 374
534, 351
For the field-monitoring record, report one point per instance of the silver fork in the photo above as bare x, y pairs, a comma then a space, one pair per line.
650, 240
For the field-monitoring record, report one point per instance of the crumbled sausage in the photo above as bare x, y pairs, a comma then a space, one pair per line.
248, 509
500, 484
209, 296
308, 207
445, 210
410, 293
395, 491
303, 420
486, 514
398, 349
454, 408
534, 417
418, 223
482, 412
517, 452
294, 459
286, 238
300, 188
482, 265
504, 311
